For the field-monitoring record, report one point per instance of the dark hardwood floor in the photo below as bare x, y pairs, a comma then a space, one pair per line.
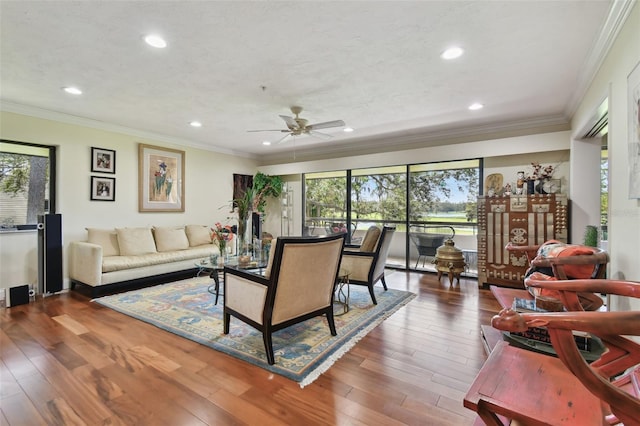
68, 361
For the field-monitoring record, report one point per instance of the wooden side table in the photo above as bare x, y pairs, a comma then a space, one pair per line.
531, 388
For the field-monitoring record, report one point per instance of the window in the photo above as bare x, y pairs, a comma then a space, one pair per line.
325, 202
27, 182
432, 196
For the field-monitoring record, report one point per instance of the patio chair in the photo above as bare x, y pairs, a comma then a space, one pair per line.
427, 239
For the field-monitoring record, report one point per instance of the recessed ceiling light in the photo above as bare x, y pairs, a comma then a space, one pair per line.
476, 106
266, 143
72, 90
452, 53
155, 41
347, 129
195, 124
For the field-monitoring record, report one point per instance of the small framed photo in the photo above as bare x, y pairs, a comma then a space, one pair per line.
103, 160
103, 188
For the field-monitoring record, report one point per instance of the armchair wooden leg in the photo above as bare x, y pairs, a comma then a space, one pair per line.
226, 318
373, 296
332, 324
268, 346
384, 283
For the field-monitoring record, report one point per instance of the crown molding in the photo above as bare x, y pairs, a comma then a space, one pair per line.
618, 14
424, 137
46, 114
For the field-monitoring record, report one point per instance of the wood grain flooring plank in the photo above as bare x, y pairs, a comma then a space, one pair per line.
70, 324
97, 383
155, 396
19, 411
8, 384
153, 359
73, 390
243, 410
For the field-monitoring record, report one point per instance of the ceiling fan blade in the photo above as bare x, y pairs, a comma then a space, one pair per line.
291, 123
269, 130
326, 125
284, 138
320, 135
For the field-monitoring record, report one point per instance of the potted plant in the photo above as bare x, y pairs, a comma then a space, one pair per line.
591, 236
265, 186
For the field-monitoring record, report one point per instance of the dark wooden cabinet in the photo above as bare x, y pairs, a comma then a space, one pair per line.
522, 220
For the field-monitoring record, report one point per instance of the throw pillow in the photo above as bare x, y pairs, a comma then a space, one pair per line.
107, 238
170, 238
135, 241
198, 235
370, 239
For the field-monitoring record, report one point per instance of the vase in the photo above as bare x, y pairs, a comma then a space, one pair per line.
531, 187
222, 248
540, 187
245, 226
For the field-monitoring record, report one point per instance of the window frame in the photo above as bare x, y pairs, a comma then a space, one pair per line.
52, 203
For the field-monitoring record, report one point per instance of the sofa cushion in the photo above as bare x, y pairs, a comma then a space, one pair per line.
170, 238
106, 238
121, 263
198, 235
135, 241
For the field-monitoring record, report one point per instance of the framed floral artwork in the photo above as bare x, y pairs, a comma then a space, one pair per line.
103, 188
160, 179
103, 160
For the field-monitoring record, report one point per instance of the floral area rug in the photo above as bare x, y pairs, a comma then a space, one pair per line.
302, 351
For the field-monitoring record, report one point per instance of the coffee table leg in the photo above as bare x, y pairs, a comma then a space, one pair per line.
216, 286
344, 301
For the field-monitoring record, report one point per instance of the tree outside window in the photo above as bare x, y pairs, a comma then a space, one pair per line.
24, 183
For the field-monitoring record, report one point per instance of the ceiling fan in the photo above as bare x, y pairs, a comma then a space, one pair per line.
298, 126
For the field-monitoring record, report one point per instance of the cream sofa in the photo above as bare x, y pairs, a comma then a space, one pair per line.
122, 256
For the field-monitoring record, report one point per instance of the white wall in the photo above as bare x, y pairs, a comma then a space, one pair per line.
208, 188
624, 213
533, 145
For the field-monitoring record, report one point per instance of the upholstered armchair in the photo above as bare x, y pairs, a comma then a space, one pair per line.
298, 284
365, 264
615, 377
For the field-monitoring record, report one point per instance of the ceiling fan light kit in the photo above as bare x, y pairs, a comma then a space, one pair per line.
297, 126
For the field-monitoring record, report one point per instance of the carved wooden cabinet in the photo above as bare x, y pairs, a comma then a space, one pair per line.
522, 220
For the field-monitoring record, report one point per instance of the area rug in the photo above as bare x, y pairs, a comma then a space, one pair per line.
302, 351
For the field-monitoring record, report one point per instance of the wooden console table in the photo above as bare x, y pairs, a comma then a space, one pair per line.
552, 396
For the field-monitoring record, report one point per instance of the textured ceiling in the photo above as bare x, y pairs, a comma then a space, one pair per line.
375, 65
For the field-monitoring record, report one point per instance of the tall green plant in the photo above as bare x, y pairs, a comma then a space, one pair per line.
265, 186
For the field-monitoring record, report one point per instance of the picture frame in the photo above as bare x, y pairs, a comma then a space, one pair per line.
103, 160
103, 188
160, 179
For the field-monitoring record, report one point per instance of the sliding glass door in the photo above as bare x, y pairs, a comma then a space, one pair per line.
425, 202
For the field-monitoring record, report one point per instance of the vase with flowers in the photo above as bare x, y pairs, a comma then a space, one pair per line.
222, 235
538, 177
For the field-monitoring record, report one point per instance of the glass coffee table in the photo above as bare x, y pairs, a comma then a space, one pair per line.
216, 270
342, 292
